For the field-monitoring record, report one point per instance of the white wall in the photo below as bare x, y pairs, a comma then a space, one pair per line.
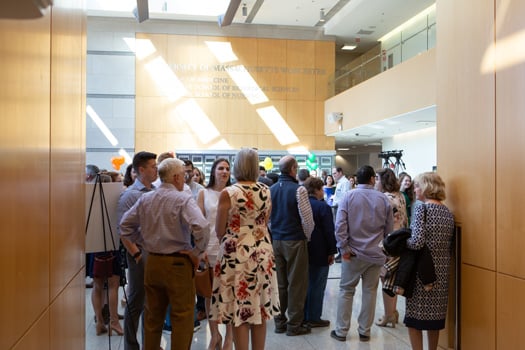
419, 149
110, 85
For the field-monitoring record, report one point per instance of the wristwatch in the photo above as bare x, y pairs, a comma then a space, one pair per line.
137, 254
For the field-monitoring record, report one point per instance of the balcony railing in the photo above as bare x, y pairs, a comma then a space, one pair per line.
420, 37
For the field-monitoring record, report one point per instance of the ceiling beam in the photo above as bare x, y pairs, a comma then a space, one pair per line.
230, 13
254, 11
337, 7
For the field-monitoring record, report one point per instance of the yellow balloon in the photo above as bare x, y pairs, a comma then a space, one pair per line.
268, 164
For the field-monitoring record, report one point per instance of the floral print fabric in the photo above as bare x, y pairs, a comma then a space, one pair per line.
245, 281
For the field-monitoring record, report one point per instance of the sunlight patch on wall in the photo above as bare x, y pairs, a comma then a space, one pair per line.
126, 155
143, 48
171, 86
278, 126
247, 84
222, 145
298, 150
198, 121
130, 42
507, 52
101, 125
222, 50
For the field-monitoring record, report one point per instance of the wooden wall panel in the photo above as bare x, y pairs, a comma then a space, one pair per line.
37, 336
466, 156
155, 142
267, 142
152, 108
240, 116
465, 106
301, 116
66, 331
214, 101
510, 143
43, 109
509, 317
300, 58
24, 210
185, 49
247, 52
324, 55
67, 149
272, 53
478, 311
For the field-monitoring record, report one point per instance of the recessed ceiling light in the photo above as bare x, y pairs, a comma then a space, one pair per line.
343, 149
348, 47
376, 126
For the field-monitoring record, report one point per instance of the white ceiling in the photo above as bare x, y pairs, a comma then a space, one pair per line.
345, 19
372, 134
350, 21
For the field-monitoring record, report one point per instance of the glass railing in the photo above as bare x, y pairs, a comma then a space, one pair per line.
419, 37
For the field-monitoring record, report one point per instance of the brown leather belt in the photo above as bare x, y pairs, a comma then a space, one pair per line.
171, 254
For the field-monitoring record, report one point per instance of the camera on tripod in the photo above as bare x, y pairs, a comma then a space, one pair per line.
387, 154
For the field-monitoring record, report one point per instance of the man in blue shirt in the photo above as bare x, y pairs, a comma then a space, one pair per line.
364, 218
145, 166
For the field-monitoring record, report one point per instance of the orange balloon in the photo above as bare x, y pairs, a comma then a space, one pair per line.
117, 162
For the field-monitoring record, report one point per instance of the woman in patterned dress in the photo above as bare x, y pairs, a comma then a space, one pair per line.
245, 290
433, 225
387, 183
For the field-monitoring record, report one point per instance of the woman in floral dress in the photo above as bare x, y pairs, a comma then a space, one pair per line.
245, 284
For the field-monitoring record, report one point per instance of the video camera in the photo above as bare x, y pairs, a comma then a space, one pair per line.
387, 154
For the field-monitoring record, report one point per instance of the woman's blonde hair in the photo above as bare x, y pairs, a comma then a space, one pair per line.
246, 165
431, 185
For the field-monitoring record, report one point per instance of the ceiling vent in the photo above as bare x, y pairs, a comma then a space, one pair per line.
364, 32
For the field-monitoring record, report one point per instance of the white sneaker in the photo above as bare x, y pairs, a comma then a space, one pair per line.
163, 343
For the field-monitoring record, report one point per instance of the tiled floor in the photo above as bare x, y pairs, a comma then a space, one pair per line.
381, 338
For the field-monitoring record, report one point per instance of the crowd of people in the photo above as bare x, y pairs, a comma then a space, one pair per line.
270, 242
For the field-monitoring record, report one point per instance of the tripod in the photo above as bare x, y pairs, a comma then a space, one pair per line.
397, 166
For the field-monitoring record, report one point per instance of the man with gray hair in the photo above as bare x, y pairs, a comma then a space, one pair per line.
164, 220
291, 226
